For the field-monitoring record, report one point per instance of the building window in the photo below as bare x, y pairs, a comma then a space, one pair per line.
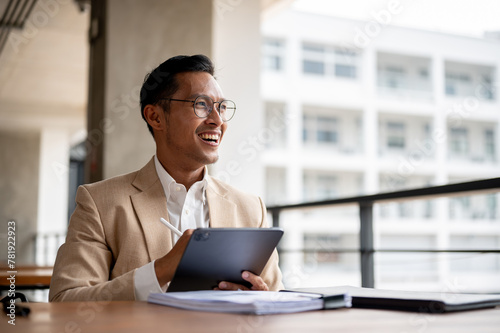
313, 59
477, 207
322, 242
400, 266
470, 80
320, 130
457, 77
314, 67
485, 87
345, 63
459, 145
458, 84
491, 207
326, 186
319, 186
77, 155
489, 144
342, 70
423, 73
272, 54
327, 130
459, 207
396, 135
478, 263
329, 61
392, 77
450, 89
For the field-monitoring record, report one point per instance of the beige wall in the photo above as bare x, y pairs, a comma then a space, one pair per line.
19, 153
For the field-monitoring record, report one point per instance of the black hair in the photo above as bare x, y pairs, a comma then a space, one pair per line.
162, 81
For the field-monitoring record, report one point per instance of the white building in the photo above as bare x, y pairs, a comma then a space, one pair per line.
356, 108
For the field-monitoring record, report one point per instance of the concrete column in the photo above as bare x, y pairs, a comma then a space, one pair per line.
295, 144
295, 168
439, 136
236, 47
53, 187
292, 263
128, 39
439, 132
370, 121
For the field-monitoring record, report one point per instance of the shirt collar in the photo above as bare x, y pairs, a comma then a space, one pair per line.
168, 182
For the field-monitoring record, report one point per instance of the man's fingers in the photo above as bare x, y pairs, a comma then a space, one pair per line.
255, 280
165, 266
230, 286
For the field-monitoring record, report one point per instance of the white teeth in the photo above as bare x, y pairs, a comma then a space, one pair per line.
206, 136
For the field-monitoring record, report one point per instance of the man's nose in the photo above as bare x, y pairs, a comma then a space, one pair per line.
214, 116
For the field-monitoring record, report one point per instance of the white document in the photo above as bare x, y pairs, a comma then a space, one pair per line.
255, 302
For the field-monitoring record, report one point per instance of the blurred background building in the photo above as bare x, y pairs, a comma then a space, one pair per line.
328, 107
356, 107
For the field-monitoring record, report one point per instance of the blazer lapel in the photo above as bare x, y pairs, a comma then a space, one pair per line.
150, 204
222, 211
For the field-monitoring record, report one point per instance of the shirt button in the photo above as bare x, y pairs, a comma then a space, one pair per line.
178, 188
187, 211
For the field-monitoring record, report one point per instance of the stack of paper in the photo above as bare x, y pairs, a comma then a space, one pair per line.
254, 302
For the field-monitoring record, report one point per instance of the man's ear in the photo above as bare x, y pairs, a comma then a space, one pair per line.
155, 116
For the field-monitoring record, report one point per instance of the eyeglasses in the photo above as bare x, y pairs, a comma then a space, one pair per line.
203, 106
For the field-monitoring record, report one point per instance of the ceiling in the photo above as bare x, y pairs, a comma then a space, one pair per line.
43, 64
14, 16
44, 61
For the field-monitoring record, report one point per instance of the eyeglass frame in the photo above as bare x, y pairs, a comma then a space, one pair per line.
211, 108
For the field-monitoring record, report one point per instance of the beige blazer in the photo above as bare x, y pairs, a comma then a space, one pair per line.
116, 228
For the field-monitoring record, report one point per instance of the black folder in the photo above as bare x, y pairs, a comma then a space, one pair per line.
428, 302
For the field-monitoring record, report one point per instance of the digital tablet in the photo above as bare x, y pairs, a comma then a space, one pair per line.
213, 255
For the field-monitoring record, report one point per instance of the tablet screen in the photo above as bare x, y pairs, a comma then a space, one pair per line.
222, 254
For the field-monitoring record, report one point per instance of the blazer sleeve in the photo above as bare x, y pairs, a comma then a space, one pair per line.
83, 264
271, 273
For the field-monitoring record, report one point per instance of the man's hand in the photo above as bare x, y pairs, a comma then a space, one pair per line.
255, 280
165, 266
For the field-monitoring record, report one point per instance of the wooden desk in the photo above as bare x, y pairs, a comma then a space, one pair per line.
123, 317
27, 277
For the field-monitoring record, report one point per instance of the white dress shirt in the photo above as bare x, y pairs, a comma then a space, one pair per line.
186, 210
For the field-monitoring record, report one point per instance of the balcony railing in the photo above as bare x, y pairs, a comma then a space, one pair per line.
46, 246
366, 203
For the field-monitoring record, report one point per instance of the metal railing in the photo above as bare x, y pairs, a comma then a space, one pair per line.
48, 244
366, 202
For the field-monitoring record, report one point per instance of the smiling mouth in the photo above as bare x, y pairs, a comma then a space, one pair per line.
210, 138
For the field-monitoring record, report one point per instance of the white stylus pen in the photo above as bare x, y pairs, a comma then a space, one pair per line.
171, 227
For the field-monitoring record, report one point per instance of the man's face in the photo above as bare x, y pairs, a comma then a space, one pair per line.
191, 141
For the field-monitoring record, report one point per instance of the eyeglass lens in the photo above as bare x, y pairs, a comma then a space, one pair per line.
203, 105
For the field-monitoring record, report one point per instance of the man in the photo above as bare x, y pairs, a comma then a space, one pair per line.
116, 247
